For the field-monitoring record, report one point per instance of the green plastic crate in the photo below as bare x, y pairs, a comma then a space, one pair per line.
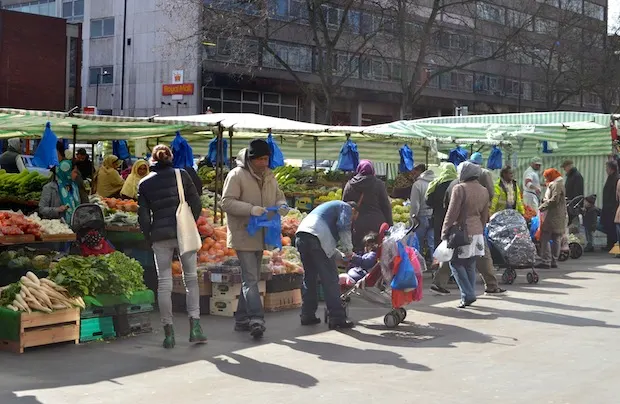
123, 309
93, 329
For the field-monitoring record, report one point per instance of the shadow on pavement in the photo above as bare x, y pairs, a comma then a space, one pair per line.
548, 318
552, 305
330, 352
262, 372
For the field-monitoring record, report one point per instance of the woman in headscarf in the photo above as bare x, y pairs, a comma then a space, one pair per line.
610, 204
469, 207
8, 159
553, 218
139, 170
108, 182
373, 203
60, 197
507, 194
436, 193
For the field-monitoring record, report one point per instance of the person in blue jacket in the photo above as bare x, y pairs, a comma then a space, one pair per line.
317, 240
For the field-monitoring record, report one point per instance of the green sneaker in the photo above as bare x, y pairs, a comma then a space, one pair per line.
169, 341
195, 332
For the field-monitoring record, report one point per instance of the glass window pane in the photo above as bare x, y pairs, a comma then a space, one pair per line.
67, 10
96, 28
213, 93
289, 99
108, 27
271, 110
289, 113
250, 108
78, 8
107, 75
251, 96
271, 98
232, 107
232, 95
92, 75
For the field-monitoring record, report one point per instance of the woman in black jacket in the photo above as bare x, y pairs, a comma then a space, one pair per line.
158, 198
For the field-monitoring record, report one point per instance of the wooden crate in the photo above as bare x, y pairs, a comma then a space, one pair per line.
226, 307
57, 238
204, 285
21, 239
290, 299
231, 291
37, 329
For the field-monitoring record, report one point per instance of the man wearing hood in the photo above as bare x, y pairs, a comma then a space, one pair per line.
484, 264
574, 180
531, 184
10, 160
421, 212
248, 191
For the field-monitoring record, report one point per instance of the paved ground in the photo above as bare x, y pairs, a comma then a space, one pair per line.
556, 342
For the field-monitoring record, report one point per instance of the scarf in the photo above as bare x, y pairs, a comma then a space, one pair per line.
447, 173
67, 188
130, 189
365, 168
551, 174
109, 181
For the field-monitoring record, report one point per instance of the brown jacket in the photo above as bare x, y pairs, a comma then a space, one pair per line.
554, 206
243, 189
474, 199
617, 218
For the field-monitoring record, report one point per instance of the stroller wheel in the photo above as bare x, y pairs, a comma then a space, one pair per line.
326, 315
535, 277
513, 272
403, 314
530, 277
508, 277
563, 255
576, 250
391, 319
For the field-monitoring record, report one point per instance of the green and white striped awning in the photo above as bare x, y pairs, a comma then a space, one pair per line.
90, 128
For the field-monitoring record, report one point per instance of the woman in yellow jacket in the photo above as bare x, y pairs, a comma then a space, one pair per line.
507, 194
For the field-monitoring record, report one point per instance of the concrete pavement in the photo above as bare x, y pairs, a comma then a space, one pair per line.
552, 343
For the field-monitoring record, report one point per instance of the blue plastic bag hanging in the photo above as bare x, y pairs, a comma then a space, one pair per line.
406, 159
46, 156
182, 152
120, 149
212, 155
494, 162
405, 278
349, 157
457, 156
272, 225
276, 158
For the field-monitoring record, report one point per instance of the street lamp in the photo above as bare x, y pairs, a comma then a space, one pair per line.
99, 76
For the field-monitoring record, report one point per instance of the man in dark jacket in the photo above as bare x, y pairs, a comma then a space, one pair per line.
8, 159
83, 163
574, 180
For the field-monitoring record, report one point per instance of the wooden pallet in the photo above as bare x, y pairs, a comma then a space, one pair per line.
38, 329
57, 238
21, 239
291, 299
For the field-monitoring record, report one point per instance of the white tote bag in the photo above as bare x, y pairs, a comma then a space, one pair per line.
187, 232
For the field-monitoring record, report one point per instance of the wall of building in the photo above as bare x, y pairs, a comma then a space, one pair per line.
33, 61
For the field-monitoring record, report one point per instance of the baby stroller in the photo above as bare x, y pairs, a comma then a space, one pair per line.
88, 224
375, 286
573, 209
511, 246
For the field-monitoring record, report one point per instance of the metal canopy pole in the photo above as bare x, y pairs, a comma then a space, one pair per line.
315, 158
230, 152
75, 128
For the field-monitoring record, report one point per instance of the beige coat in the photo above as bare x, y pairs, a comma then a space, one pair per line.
554, 206
617, 218
243, 189
472, 197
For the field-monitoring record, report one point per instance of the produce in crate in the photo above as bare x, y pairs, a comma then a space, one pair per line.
121, 219
400, 213
284, 262
333, 195
32, 293
26, 186
122, 205
290, 222
50, 226
15, 224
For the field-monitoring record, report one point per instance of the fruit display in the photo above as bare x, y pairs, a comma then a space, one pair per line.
32, 293
290, 223
207, 176
122, 205
287, 261
333, 195
529, 213
287, 175
50, 226
25, 186
16, 224
400, 213
403, 180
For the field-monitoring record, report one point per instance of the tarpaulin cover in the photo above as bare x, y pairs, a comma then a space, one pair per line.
183, 156
46, 156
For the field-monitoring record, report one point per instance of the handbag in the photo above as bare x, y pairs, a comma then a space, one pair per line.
457, 235
187, 232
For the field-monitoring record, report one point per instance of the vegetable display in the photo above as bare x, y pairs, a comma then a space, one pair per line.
32, 293
115, 274
286, 261
50, 226
15, 224
25, 186
207, 176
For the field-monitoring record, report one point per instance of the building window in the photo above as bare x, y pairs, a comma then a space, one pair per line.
234, 50
457, 81
107, 112
490, 12
102, 27
429, 78
539, 92
486, 48
515, 89
345, 64
592, 100
73, 10
544, 26
517, 19
103, 75
488, 84
235, 101
594, 10
451, 40
41, 7
576, 6
297, 57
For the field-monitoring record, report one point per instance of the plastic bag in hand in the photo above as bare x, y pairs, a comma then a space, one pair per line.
405, 278
443, 253
273, 227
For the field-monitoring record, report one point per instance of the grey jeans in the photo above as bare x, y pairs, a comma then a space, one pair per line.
485, 268
250, 308
549, 252
164, 251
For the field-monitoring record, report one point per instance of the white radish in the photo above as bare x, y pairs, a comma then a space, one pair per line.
11, 307
41, 297
18, 305
33, 277
37, 306
52, 285
22, 302
27, 282
25, 289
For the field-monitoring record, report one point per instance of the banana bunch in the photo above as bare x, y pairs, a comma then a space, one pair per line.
286, 175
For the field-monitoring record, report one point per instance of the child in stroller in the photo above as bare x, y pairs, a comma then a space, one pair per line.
89, 226
359, 265
590, 214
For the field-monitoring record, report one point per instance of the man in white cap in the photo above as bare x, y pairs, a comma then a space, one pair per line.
531, 184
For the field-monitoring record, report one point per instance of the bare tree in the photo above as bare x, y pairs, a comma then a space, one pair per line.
605, 73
